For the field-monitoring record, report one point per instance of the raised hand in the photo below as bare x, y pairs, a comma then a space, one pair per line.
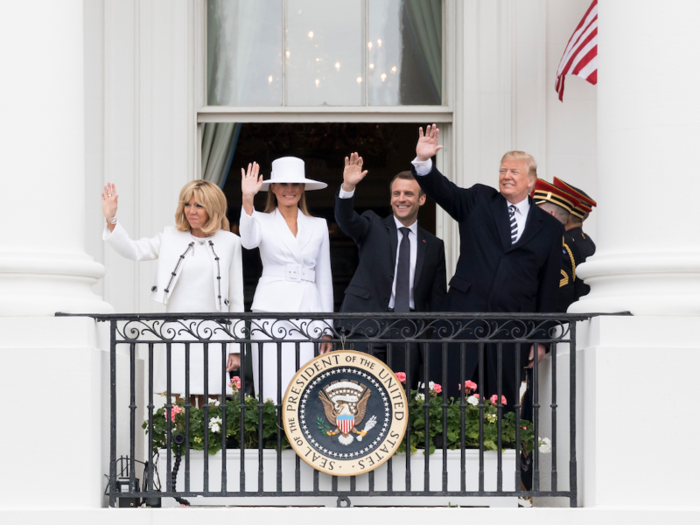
251, 182
353, 173
427, 145
109, 201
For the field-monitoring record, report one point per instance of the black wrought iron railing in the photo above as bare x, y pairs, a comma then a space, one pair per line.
455, 427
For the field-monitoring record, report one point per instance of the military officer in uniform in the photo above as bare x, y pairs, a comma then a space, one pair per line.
580, 244
561, 205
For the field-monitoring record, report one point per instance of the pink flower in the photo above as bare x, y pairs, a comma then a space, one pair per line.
469, 386
235, 383
437, 388
494, 400
174, 411
401, 376
524, 428
476, 396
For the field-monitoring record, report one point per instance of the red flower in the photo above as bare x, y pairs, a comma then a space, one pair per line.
235, 383
437, 388
401, 376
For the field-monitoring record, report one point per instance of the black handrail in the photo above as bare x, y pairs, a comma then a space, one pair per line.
489, 333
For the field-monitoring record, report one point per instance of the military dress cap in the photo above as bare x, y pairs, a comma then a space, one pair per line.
546, 192
587, 203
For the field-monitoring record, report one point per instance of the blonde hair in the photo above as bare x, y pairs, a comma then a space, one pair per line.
212, 198
521, 156
271, 203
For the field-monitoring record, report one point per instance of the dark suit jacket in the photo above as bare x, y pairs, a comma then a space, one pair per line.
370, 288
492, 274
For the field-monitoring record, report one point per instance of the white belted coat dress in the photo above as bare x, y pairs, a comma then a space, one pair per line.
193, 275
296, 277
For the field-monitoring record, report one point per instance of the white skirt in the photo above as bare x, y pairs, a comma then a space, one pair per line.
267, 353
199, 376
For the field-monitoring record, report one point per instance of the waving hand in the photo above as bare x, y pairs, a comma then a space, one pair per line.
427, 145
251, 182
353, 173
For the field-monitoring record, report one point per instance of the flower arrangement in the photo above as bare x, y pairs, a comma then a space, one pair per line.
251, 423
434, 404
417, 411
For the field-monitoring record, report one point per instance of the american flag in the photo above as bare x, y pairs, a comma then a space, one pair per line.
581, 54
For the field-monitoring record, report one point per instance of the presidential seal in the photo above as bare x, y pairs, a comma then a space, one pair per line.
345, 413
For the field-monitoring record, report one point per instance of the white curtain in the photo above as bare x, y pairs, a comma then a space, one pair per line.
231, 64
218, 145
425, 19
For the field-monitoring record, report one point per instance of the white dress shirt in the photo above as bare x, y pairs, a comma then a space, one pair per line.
413, 238
522, 208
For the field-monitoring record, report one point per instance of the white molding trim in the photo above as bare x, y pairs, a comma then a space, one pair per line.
326, 114
528, 51
194, 147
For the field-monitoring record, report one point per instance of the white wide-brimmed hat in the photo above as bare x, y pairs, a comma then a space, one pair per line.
291, 169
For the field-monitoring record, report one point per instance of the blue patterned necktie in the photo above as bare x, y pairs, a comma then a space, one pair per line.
513, 224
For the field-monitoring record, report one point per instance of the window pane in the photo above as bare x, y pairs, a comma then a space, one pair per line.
244, 41
325, 53
405, 52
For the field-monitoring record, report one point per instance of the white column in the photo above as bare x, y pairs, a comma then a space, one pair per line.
51, 367
638, 374
43, 264
648, 258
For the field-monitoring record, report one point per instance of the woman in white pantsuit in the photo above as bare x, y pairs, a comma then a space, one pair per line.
199, 269
296, 277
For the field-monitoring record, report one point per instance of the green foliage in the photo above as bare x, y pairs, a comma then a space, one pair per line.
254, 410
453, 412
198, 426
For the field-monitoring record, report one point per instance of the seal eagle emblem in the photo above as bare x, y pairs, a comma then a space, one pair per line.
345, 413
345, 405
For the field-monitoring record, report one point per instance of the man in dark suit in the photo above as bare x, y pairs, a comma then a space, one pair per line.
402, 266
510, 258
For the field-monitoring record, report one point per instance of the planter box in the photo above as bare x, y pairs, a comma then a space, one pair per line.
275, 498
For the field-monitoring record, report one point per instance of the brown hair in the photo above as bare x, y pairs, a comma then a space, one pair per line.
405, 175
212, 198
271, 202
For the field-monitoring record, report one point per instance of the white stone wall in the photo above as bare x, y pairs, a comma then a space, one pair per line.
140, 128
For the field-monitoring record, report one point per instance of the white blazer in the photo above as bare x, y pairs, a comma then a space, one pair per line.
296, 270
172, 248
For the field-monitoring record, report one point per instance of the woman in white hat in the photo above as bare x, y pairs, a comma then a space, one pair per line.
295, 252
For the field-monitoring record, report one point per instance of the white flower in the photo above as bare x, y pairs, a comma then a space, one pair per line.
545, 445
420, 397
472, 400
213, 402
431, 385
215, 424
